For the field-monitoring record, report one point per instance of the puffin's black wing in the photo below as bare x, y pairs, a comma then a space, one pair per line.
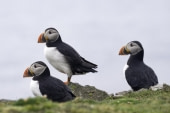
55, 90
153, 80
140, 77
77, 63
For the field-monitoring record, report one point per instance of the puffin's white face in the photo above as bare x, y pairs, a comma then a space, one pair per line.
36, 69
51, 35
133, 48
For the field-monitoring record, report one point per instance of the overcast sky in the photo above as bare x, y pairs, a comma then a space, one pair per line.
97, 29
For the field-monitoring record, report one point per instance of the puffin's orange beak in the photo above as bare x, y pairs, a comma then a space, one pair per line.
26, 73
121, 52
41, 38
124, 51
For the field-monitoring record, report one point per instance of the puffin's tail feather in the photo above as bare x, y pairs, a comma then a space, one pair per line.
83, 70
88, 64
86, 67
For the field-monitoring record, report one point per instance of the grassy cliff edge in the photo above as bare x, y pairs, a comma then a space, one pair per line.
146, 101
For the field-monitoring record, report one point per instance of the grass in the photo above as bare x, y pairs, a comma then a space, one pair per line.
146, 101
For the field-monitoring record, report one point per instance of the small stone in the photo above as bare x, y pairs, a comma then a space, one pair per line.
156, 87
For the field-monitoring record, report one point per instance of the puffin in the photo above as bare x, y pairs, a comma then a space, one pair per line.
63, 57
138, 75
43, 84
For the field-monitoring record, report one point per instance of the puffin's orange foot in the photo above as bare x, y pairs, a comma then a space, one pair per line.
66, 83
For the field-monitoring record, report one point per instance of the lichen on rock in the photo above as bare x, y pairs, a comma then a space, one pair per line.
88, 92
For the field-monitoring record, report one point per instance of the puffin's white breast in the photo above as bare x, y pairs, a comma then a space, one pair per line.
57, 60
125, 68
34, 86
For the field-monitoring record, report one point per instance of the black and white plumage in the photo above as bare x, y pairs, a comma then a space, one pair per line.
137, 73
43, 84
62, 56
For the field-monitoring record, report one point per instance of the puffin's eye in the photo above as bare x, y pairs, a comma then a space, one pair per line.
49, 32
131, 45
35, 66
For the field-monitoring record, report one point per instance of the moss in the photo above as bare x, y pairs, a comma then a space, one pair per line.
31, 101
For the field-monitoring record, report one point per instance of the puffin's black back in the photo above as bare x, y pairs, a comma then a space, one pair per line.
55, 89
139, 75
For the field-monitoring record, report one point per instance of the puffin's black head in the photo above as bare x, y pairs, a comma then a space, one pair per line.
50, 35
38, 68
133, 48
